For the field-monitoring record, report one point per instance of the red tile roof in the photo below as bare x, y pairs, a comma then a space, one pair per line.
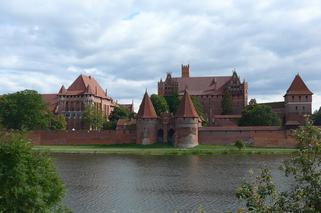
146, 109
84, 84
298, 87
202, 85
186, 107
51, 100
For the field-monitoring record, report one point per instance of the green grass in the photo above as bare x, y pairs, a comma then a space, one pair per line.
160, 149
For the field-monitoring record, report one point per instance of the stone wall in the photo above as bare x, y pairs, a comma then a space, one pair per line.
257, 136
82, 137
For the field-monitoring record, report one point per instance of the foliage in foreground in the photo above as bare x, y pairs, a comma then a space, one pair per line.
28, 179
304, 168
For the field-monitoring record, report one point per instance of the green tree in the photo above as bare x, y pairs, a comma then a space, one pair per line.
316, 117
24, 110
118, 113
304, 168
199, 109
93, 117
227, 102
159, 103
172, 102
259, 115
28, 180
57, 122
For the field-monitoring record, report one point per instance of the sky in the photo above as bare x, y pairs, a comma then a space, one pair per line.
128, 46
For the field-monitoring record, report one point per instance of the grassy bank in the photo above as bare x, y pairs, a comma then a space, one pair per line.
158, 149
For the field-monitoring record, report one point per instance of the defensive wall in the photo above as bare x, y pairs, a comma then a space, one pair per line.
259, 136
256, 136
82, 137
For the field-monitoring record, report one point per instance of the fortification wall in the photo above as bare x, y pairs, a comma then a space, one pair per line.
257, 136
82, 137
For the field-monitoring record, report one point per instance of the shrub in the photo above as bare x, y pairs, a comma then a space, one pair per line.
239, 144
28, 180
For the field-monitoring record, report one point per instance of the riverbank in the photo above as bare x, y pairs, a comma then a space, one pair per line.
159, 149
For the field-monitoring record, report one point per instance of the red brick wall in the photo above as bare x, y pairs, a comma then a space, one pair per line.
82, 137
257, 136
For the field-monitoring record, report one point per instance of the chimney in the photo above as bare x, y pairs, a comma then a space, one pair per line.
185, 71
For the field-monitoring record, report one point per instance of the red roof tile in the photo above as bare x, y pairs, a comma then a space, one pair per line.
202, 85
51, 100
146, 109
186, 107
85, 84
298, 87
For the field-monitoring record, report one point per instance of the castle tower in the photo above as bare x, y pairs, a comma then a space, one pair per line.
146, 125
298, 102
185, 71
186, 123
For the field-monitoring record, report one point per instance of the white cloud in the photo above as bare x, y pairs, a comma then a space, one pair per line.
128, 45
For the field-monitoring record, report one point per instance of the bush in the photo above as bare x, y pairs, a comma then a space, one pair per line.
305, 171
259, 115
28, 180
239, 144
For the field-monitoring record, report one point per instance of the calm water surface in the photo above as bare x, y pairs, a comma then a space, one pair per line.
117, 183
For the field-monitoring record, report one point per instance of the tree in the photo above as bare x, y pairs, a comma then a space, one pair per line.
118, 113
28, 179
172, 102
239, 144
93, 117
57, 122
199, 109
303, 168
316, 117
159, 103
227, 102
259, 115
24, 110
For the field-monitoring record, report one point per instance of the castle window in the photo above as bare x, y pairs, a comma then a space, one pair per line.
306, 97
296, 108
303, 108
292, 98
300, 97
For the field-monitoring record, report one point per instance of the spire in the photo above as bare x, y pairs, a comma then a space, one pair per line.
62, 90
298, 87
146, 109
186, 107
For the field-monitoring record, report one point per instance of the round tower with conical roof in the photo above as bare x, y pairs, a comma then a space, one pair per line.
147, 121
186, 123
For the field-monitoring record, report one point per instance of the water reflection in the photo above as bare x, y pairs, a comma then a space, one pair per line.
105, 183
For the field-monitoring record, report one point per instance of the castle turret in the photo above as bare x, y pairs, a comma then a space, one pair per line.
186, 123
298, 102
147, 121
185, 71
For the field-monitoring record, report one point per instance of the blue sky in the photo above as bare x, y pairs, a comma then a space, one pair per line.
129, 45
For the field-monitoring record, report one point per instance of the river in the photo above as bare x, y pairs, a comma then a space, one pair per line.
121, 183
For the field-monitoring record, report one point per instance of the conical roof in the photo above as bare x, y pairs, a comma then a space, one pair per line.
186, 107
146, 109
298, 87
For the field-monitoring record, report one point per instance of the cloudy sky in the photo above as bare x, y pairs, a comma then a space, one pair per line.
129, 45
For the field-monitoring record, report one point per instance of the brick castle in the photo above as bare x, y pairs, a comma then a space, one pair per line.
184, 128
